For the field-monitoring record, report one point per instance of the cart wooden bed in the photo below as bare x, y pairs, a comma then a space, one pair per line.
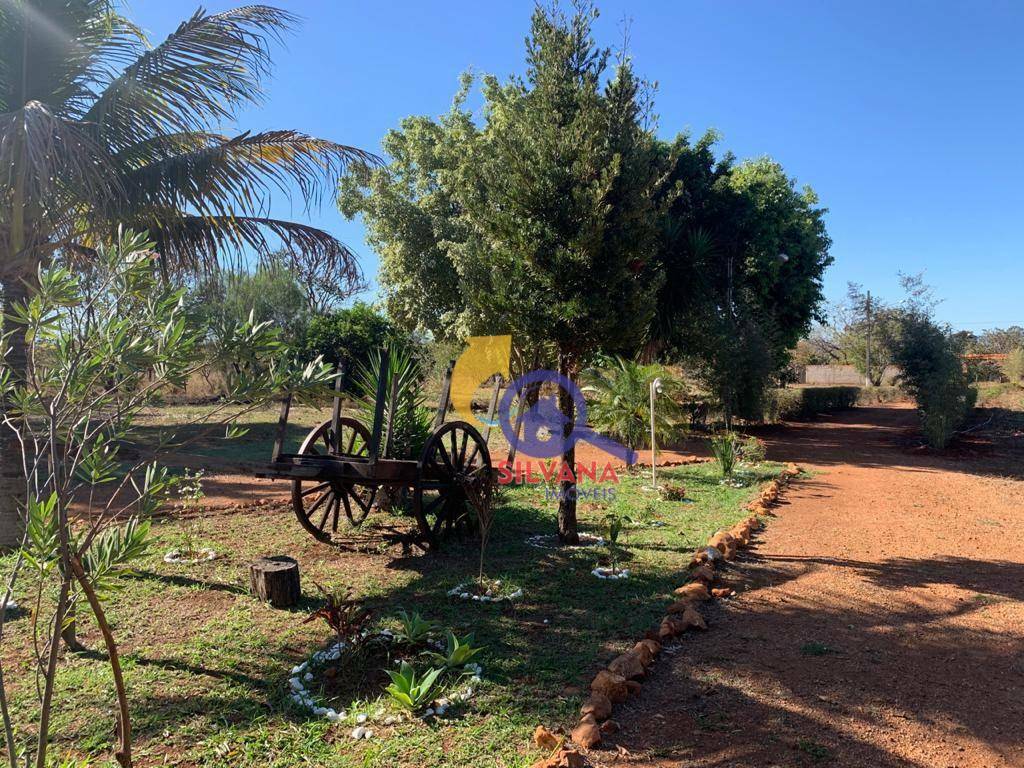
342, 468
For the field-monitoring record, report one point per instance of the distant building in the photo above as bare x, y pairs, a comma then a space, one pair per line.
840, 375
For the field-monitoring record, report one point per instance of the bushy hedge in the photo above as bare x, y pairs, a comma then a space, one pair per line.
880, 395
933, 373
805, 402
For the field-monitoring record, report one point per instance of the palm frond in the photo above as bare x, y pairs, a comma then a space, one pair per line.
215, 175
199, 75
54, 51
46, 160
194, 242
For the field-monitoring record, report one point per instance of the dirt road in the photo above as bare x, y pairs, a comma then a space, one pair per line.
880, 620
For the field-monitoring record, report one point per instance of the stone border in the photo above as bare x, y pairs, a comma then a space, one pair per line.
460, 591
603, 572
550, 541
621, 678
205, 555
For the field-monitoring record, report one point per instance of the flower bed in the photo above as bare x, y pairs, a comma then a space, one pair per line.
364, 668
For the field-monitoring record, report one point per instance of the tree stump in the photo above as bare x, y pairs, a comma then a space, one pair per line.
276, 580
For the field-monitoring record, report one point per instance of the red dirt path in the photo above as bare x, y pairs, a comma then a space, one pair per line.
906, 571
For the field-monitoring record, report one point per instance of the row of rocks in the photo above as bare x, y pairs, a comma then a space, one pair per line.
621, 678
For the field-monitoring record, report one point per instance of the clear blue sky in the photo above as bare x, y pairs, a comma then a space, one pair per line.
907, 118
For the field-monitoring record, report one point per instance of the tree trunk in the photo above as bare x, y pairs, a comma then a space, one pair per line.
12, 480
276, 580
567, 533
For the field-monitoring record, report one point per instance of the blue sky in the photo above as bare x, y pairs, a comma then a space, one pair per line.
907, 118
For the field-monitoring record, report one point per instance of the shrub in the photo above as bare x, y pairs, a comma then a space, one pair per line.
1013, 366
933, 374
350, 336
673, 492
879, 395
753, 450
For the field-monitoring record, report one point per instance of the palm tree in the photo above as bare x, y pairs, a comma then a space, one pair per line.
619, 401
99, 129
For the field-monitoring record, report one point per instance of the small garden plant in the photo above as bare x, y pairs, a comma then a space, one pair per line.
345, 615
190, 492
725, 450
410, 691
753, 450
614, 524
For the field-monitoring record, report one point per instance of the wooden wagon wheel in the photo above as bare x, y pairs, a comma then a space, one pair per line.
455, 476
318, 504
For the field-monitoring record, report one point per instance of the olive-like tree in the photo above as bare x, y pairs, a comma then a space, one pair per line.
539, 222
99, 129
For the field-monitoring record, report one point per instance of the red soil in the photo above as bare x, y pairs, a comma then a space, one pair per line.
880, 620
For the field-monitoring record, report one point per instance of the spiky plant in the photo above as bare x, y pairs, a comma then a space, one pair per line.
410, 426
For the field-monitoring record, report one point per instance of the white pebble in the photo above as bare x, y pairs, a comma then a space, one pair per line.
360, 719
358, 732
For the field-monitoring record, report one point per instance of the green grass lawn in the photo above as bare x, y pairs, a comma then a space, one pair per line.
207, 665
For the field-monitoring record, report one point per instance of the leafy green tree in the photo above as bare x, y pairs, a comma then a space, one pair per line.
351, 336
413, 221
99, 129
932, 372
539, 222
105, 344
999, 340
224, 300
1013, 366
327, 279
743, 252
871, 322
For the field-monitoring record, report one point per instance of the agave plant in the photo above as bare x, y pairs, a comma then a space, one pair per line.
414, 629
410, 426
458, 652
410, 691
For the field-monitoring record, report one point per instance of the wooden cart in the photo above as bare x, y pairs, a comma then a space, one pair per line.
342, 467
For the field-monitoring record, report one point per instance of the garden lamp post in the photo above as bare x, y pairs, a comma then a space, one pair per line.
655, 391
